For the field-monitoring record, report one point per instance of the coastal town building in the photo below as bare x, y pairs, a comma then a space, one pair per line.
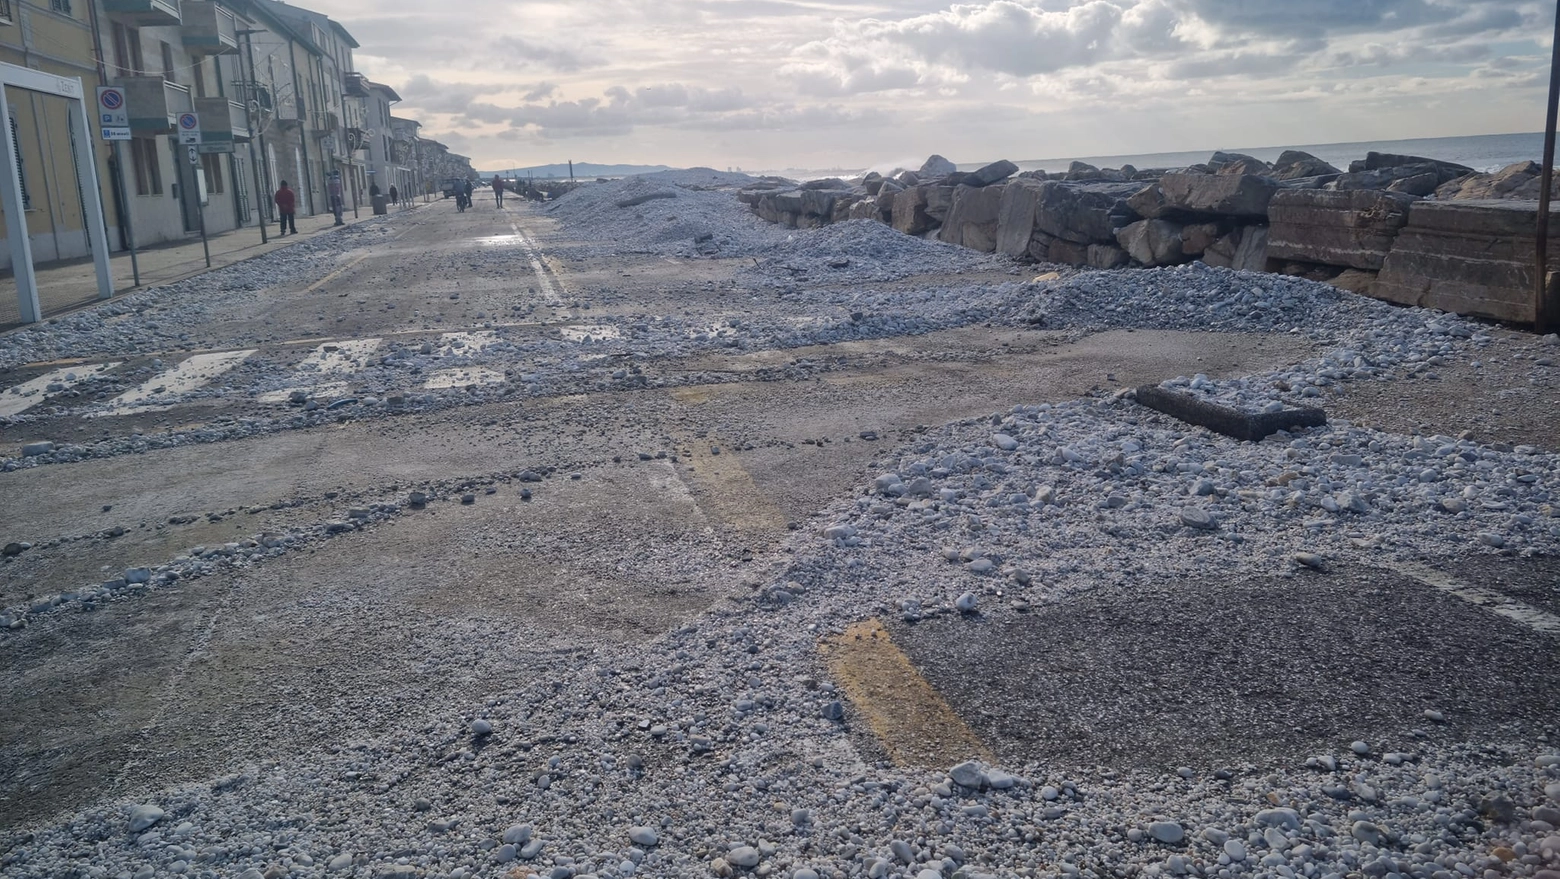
274, 89
57, 38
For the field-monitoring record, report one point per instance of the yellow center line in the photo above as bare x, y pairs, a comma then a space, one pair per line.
915, 724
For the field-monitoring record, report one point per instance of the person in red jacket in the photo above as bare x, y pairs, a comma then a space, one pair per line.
287, 206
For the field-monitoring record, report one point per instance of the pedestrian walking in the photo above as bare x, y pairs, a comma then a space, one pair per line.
466, 189
498, 189
287, 206
336, 203
395, 197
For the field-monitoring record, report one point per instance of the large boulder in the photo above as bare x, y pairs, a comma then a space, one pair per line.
936, 166
1107, 256
1198, 237
939, 200
1349, 228
1244, 249
993, 173
1522, 180
1296, 164
1374, 161
972, 219
1016, 215
1149, 202
1221, 195
909, 212
1418, 180
1470, 257
1087, 213
1152, 242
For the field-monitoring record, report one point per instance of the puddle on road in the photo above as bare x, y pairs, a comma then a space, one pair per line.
590, 333
499, 241
463, 378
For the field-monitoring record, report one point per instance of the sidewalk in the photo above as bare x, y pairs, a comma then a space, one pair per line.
72, 284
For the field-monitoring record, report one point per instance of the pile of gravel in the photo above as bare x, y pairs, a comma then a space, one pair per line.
863, 251
687, 213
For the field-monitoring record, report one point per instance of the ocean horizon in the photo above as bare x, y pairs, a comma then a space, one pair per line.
1481, 152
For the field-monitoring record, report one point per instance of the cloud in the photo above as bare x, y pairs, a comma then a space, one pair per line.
793, 78
516, 53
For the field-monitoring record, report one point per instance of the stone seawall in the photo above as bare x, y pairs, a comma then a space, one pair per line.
1402, 228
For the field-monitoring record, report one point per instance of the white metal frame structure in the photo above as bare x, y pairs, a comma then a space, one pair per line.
86, 180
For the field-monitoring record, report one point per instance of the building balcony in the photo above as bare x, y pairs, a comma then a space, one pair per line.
323, 122
222, 121
209, 29
144, 13
154, 103
354, 85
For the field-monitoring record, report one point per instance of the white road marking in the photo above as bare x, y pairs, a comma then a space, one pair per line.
592, 332
1489, 599
461, 378
18, 399
322, 392
189, 375
549, 289
344, 356
466, 344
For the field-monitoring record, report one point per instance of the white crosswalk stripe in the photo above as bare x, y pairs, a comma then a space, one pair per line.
18, 399
329, 360
462, 378
190, 375
349, 355
466, 344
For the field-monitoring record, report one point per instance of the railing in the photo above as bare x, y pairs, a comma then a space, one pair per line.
146, 13
324, 122
209, 29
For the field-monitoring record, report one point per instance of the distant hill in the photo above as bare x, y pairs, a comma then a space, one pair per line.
581, 169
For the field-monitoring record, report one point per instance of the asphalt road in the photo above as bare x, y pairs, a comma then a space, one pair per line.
203, 675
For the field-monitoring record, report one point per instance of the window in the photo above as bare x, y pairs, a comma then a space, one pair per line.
127, 47
212, 163
148, 172
167, 58
60, 6
198, 69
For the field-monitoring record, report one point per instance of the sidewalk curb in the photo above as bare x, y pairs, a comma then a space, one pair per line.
121, 294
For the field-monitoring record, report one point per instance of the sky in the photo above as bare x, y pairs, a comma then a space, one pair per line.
782, 84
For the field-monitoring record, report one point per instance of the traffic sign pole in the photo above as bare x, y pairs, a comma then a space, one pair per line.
114, 121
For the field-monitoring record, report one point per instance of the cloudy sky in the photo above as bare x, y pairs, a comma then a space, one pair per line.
767, 84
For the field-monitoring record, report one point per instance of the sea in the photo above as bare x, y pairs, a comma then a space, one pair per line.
1484, 152
1481, 152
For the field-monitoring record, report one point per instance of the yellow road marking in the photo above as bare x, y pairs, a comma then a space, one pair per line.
724, 488
915, 724
336, 274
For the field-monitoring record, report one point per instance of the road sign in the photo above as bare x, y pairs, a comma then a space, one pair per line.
189, 129
221, 146
112, 112
113, 115
194, 155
